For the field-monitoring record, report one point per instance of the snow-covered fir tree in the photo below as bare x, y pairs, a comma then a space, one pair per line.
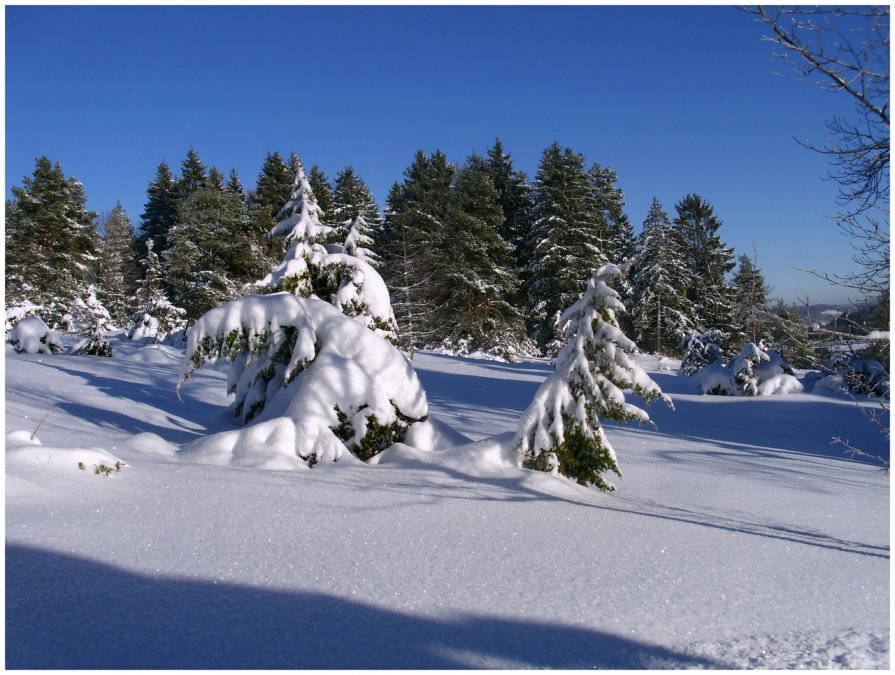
617, 233
700, 350
315, 266
51, 241
708, 262
92, 321
473, 305
274, 186
358, 243
158, 318
118, 269
560, 430
193, 175
658, 311
568, 242
351, 198
515, 199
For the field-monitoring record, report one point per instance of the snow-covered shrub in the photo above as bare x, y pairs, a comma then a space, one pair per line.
742, 368
560, 430
160, 322
32, 336
752, 372
700, 350
315, 267
340, 386
715, 379
92, 320
18, 310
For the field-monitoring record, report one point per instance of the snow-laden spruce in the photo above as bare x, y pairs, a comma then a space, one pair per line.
560, 430
315, 266
755, 371
316, 384
32, 336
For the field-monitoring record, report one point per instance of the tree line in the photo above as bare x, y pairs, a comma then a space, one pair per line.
476, 257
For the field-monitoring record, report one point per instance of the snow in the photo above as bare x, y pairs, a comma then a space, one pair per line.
738, 537
32, 336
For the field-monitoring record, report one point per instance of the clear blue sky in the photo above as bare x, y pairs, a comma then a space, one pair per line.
677, 100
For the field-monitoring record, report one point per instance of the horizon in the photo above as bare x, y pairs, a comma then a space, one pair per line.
673, 112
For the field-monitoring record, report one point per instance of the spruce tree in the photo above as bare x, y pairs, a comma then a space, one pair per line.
118, 271
750, 298
235, 185
192, 175
515, 199
708, 262
161, 210
323, 192
473, 307
352, 198
561, 429
659, 313
51, 241
567, 240
274, 186
157, 318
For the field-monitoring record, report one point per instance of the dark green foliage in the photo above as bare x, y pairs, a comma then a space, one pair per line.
377, 436
192, 175
568, 241
118, 270
161, 211
581, 457
323, 193
352, 198
750, 299
51, 241
515, 199
266, 202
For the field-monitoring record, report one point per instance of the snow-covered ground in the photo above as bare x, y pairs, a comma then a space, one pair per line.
739, 537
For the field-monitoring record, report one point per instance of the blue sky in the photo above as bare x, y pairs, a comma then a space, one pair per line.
677, 100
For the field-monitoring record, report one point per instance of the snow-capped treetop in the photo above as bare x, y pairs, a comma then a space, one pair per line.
561, 430
358, 242
301, 217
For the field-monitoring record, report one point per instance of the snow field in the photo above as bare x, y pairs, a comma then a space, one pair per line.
738, 536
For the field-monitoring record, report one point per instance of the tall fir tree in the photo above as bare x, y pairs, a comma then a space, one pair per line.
515, 199
51, 241
659, 313
473, 306
323, 192
235, 185
118, 270
567, 242
193, 175
708, 262
161, 210
412, 247
274, 185
750, 300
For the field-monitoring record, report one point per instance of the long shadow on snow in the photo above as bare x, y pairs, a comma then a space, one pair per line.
67, 612
146, 394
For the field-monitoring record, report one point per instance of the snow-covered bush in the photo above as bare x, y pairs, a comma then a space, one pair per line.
340, 386
560, 430
700, 350
32, 336
18, 310
160, 322
315, 267
752, 372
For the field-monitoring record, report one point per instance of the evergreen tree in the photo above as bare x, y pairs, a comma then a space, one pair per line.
158, 318
323, 192
117, 271
473, 309
357, 243
192, 175
561, 430
659, 309
215, 179
750, 297
708, 262
210, 257
91, 320
351, 198
235, 185
412, 251
567, 241
161, 210
515, 199
51, 241
265, 203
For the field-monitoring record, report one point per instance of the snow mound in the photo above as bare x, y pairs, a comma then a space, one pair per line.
159, 354
323, 385
779, 384
32, 336
24, 453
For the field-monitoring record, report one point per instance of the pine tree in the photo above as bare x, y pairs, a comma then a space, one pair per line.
515, 199
473, 309
161, 210
117, 271
158, 318
51, 241
567, 241
708, 262
659, 309
750, 299
323, 192
235, 185
91, 320
561, 429
274, 186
